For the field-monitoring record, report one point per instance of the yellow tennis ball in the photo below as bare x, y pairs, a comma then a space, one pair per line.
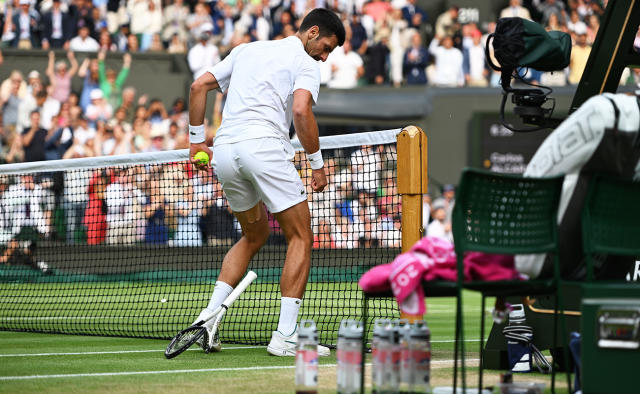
202, 158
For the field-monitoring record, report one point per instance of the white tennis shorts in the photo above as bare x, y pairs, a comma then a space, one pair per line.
258, 169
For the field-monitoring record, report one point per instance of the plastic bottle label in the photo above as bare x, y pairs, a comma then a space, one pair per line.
307, 368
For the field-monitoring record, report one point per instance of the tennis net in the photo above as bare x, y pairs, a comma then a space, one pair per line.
131, 245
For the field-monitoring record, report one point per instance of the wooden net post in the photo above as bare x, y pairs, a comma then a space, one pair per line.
412, 185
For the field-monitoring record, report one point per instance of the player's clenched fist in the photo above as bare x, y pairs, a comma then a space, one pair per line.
318, 180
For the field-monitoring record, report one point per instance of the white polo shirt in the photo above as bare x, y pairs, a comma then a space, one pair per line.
261, 77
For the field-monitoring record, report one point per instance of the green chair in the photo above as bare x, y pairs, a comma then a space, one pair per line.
611, 220
504, 214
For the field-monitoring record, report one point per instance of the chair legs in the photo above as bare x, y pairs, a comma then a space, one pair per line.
481, 364
459, 346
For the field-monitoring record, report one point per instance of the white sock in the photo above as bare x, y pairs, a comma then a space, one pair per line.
220, 293
289, 308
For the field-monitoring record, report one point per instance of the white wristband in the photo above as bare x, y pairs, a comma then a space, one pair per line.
315, 160
196, 134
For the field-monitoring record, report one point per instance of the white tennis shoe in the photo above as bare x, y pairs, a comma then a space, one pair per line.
282, 345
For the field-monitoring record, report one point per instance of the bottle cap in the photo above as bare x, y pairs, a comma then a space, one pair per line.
350, 329
517, 312
419, 329
307, 330
382, 328
402, 328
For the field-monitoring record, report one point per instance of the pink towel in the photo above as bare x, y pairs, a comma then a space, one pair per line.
432, 258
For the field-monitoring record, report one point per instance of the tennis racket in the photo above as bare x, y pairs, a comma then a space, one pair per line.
187, 337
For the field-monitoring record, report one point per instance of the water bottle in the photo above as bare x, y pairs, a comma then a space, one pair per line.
396, 355
307, 358
380, 351
419, 345
349, 356
404, 330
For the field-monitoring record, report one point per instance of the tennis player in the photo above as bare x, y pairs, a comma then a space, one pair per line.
269, 83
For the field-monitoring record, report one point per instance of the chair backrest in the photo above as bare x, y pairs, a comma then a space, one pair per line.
506, 214
611, 219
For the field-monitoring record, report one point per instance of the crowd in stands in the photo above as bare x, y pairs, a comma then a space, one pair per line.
175, 205
389, 43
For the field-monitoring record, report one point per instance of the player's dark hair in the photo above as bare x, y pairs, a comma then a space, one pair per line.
327, 21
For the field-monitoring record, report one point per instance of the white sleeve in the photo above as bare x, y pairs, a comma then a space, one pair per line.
222, 71
308, 78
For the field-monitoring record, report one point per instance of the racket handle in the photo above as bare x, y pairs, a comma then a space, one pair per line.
244, 283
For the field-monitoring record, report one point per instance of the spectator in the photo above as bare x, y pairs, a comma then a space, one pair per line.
447, 200
25, 25
76, 198
552, 7
89, 72
133, 45
82, 16
99, 109
12, 92
59, 138
345, 66
157, 114
579, 55
146, 20
515, 10
175, 18
157, 139
358, 35
365, 167
415, 61
397, 46
439, 227
124, 205
414, 15
156, 210
177, 45
575, 24
33, 140
22, 203
121, 39
32, 102
447, 23
204, 54
278, 27
199, 21
593, 26
378, 55
188, 211
105, 41
447, 70
83, 42
95, 215
34, 82
110, 84
377, 9
56, 28
474, 64
60, 77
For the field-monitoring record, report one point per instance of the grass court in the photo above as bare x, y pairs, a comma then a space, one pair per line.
52, 363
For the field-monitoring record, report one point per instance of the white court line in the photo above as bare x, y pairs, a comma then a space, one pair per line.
160, 350
115, 352
102, 374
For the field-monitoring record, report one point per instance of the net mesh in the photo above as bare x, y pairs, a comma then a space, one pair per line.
131, 246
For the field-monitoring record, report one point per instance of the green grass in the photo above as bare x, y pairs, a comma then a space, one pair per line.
237, 369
